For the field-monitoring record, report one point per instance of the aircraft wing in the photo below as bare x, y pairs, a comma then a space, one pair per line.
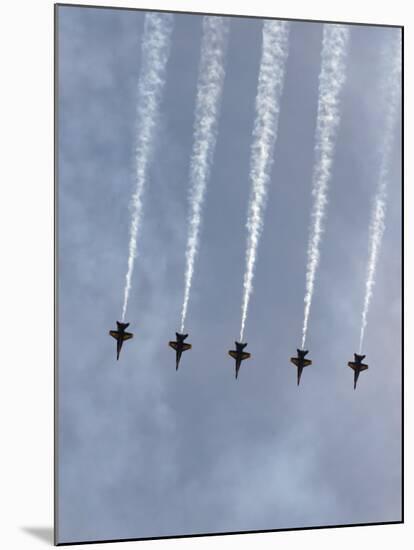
233, 354
173, 345
127, 335
114, 334
301, 363
245, 355
363, 366
186, 347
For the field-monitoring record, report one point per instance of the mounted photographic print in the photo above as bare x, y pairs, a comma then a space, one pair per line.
228, 274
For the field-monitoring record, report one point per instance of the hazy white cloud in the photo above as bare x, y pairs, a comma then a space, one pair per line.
145, 450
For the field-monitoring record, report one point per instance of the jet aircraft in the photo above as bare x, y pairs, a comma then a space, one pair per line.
120, 336
179, 345
239, 355
300, 362
357, 366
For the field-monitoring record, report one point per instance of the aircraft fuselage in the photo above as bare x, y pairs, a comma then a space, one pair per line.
239, 355
120, 336
179, 346
300, 362
357, 366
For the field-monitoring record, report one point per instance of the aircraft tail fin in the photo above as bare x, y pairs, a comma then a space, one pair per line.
122, 326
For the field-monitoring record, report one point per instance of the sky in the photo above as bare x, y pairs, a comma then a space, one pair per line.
143, 450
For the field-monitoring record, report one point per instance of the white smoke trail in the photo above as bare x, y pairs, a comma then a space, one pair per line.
269, 90
331, 81
155, 49
392, 80
209, 91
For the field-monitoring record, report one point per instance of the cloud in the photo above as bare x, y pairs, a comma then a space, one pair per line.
145, 450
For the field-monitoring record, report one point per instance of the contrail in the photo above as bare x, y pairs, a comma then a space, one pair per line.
331, 81
155, 48
269, 90
391, 87
209, 91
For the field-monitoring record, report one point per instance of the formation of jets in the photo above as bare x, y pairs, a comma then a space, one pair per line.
237, 354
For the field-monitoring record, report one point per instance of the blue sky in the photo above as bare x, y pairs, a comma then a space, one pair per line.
148, 451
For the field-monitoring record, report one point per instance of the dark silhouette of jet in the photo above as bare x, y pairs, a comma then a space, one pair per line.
239, 355
120, 336
357, 366
300, 362
179, 347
